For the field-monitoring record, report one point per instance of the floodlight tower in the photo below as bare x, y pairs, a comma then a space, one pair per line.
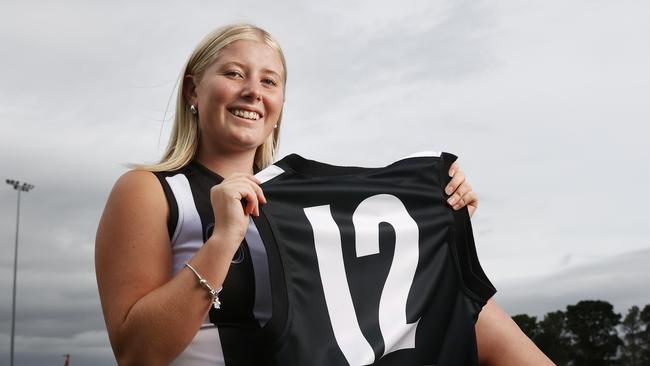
20, 187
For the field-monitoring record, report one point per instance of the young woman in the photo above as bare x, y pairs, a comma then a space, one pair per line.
228, 118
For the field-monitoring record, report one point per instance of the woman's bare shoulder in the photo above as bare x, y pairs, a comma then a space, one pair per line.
138, 182
139, 187
137, 200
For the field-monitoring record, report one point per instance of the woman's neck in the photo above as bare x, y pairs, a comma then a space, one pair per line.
228, 164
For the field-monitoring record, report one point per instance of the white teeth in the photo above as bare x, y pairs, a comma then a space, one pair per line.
246, 114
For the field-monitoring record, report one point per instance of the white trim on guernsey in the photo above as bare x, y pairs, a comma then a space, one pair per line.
188, 236
423, 154
202, 350
176, 185
269, 173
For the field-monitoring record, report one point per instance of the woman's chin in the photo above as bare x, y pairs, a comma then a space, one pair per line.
247, 141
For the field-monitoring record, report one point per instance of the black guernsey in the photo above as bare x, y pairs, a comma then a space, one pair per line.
368, 266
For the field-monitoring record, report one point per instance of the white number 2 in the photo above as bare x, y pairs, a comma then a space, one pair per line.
396, 331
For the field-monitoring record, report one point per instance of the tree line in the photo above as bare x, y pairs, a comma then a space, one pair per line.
590, 333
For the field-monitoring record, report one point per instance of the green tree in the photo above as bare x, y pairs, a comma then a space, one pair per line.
592, 327
553, 339
644, 317
633, 345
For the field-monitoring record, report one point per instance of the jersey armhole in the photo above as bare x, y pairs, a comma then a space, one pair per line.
474, 281
172, 219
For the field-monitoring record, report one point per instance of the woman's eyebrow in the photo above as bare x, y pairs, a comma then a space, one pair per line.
265, 70
269, 71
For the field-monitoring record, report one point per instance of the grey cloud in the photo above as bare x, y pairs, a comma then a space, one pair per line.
620, 280
549, 123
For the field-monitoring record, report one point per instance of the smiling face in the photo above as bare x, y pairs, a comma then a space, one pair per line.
239, 98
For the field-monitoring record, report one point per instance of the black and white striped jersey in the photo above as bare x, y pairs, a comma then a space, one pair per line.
345, 266
369, 266
246, 296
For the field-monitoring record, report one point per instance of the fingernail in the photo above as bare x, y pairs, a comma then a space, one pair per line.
448, 190
452, 172
451, 200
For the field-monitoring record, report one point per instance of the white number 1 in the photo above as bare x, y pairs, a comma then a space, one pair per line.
396, 331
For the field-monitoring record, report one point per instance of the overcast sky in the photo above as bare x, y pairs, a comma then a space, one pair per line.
545, 103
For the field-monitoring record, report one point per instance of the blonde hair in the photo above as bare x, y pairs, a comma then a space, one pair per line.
184, 140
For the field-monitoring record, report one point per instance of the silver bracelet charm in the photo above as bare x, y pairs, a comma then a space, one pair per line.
214, 294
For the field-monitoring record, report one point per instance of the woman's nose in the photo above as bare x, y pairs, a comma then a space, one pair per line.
252, 90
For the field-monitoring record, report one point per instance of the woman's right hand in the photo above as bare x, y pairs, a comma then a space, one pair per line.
233, 200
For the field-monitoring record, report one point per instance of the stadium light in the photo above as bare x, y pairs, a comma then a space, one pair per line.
20, 187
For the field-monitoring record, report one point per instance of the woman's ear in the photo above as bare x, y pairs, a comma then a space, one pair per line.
189, 90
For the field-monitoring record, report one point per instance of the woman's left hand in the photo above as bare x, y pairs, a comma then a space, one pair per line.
460, 191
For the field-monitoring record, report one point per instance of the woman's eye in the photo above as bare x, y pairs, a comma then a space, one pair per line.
233, 73
270, 82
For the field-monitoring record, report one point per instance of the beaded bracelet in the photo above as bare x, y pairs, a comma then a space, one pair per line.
214, 294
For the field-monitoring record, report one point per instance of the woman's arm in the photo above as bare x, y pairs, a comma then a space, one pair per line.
150, 316
502, 343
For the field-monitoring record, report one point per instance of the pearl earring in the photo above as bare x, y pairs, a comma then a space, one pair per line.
193, 109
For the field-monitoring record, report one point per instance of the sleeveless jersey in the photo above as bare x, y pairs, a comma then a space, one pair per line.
345, 266
368, 266
246, 293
